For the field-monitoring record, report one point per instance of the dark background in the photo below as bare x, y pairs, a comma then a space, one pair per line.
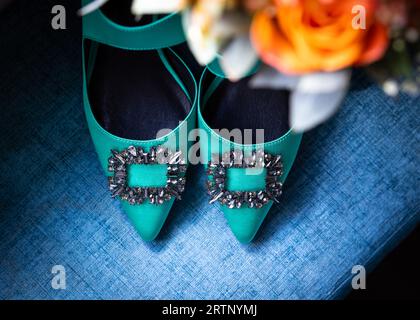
397, 276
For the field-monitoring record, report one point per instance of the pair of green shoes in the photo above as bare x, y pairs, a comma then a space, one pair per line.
136, 84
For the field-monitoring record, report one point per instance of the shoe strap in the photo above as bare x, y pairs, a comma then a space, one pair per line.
162, 33
215, 68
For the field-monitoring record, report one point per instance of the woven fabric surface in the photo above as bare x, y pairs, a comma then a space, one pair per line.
352, 194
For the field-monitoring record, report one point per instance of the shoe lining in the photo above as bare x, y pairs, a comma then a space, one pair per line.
236, 105
132, 94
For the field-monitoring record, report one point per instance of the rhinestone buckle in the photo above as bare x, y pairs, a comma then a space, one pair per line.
217, 173
118, 183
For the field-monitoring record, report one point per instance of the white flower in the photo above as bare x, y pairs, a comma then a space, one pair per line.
141, 7
216, 29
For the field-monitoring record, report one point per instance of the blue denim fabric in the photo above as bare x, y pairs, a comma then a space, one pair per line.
351, 196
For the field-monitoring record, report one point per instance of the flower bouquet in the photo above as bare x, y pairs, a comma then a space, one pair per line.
306, 46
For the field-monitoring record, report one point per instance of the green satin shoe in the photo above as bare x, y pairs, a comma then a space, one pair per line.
134, 85
245, 178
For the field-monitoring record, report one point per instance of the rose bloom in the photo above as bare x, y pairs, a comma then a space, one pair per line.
302, 36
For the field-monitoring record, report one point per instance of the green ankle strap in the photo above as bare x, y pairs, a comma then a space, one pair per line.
162, 33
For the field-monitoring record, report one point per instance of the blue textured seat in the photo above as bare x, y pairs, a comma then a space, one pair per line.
350, 198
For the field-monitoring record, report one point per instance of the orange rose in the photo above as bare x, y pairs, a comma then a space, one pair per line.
302, 36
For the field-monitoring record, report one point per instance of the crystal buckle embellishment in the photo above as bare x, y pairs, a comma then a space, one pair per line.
217, 172
118, 183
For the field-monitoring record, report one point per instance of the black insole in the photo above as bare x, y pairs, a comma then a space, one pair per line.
132, 94
236, 105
